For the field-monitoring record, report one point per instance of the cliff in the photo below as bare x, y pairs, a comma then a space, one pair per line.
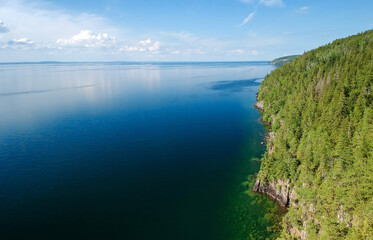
319, 158
278, 190
259, 106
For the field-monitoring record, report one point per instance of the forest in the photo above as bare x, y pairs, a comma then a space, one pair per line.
320, 108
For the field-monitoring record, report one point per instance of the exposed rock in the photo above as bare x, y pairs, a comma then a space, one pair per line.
278, 190
293, 198
270, 136
256, 186
311, 208
271, 150
265, 122
259, 106
341, 214
300, 234
344, 216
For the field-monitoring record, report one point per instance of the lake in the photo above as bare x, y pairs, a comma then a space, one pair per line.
131, 151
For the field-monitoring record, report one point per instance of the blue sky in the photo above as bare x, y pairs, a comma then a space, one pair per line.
174, 30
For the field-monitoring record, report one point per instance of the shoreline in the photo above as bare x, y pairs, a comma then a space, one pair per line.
281, 197
280, 190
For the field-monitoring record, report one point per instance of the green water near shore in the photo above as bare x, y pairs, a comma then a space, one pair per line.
250, 215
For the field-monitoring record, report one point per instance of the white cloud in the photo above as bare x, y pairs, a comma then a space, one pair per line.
21, 43
302, 9
3, 27
43, 23
40, 31
154, 47
236, 51
286, 33
248, 18
142, 46
145, 42
88, 39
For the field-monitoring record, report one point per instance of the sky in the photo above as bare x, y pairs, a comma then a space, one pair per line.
174, 30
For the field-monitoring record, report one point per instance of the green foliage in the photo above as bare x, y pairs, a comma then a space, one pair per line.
321, 108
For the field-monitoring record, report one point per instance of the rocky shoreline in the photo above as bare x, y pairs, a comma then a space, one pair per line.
279, 190
259, 106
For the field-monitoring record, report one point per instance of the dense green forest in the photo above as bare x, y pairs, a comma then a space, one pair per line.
320, 108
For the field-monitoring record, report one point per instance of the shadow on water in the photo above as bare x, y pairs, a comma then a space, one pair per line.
43, 91
234, 85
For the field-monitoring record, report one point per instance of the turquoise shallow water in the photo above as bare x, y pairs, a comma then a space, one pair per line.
130, 151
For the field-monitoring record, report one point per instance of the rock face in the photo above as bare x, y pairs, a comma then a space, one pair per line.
265, 122
259, 106
270, 136
278, 190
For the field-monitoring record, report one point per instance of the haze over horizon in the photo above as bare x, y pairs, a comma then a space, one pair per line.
223, 30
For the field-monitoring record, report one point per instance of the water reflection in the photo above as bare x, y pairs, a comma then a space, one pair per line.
124, 150
43, 91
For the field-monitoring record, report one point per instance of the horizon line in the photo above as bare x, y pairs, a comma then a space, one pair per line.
64, 62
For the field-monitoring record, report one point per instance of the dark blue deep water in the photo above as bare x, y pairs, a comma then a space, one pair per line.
130, 151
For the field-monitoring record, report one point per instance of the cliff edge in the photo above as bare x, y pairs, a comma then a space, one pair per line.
319, 158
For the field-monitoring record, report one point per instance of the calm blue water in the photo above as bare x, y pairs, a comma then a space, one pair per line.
129, 150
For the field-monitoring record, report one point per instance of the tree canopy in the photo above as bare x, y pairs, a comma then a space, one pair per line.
320, 106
